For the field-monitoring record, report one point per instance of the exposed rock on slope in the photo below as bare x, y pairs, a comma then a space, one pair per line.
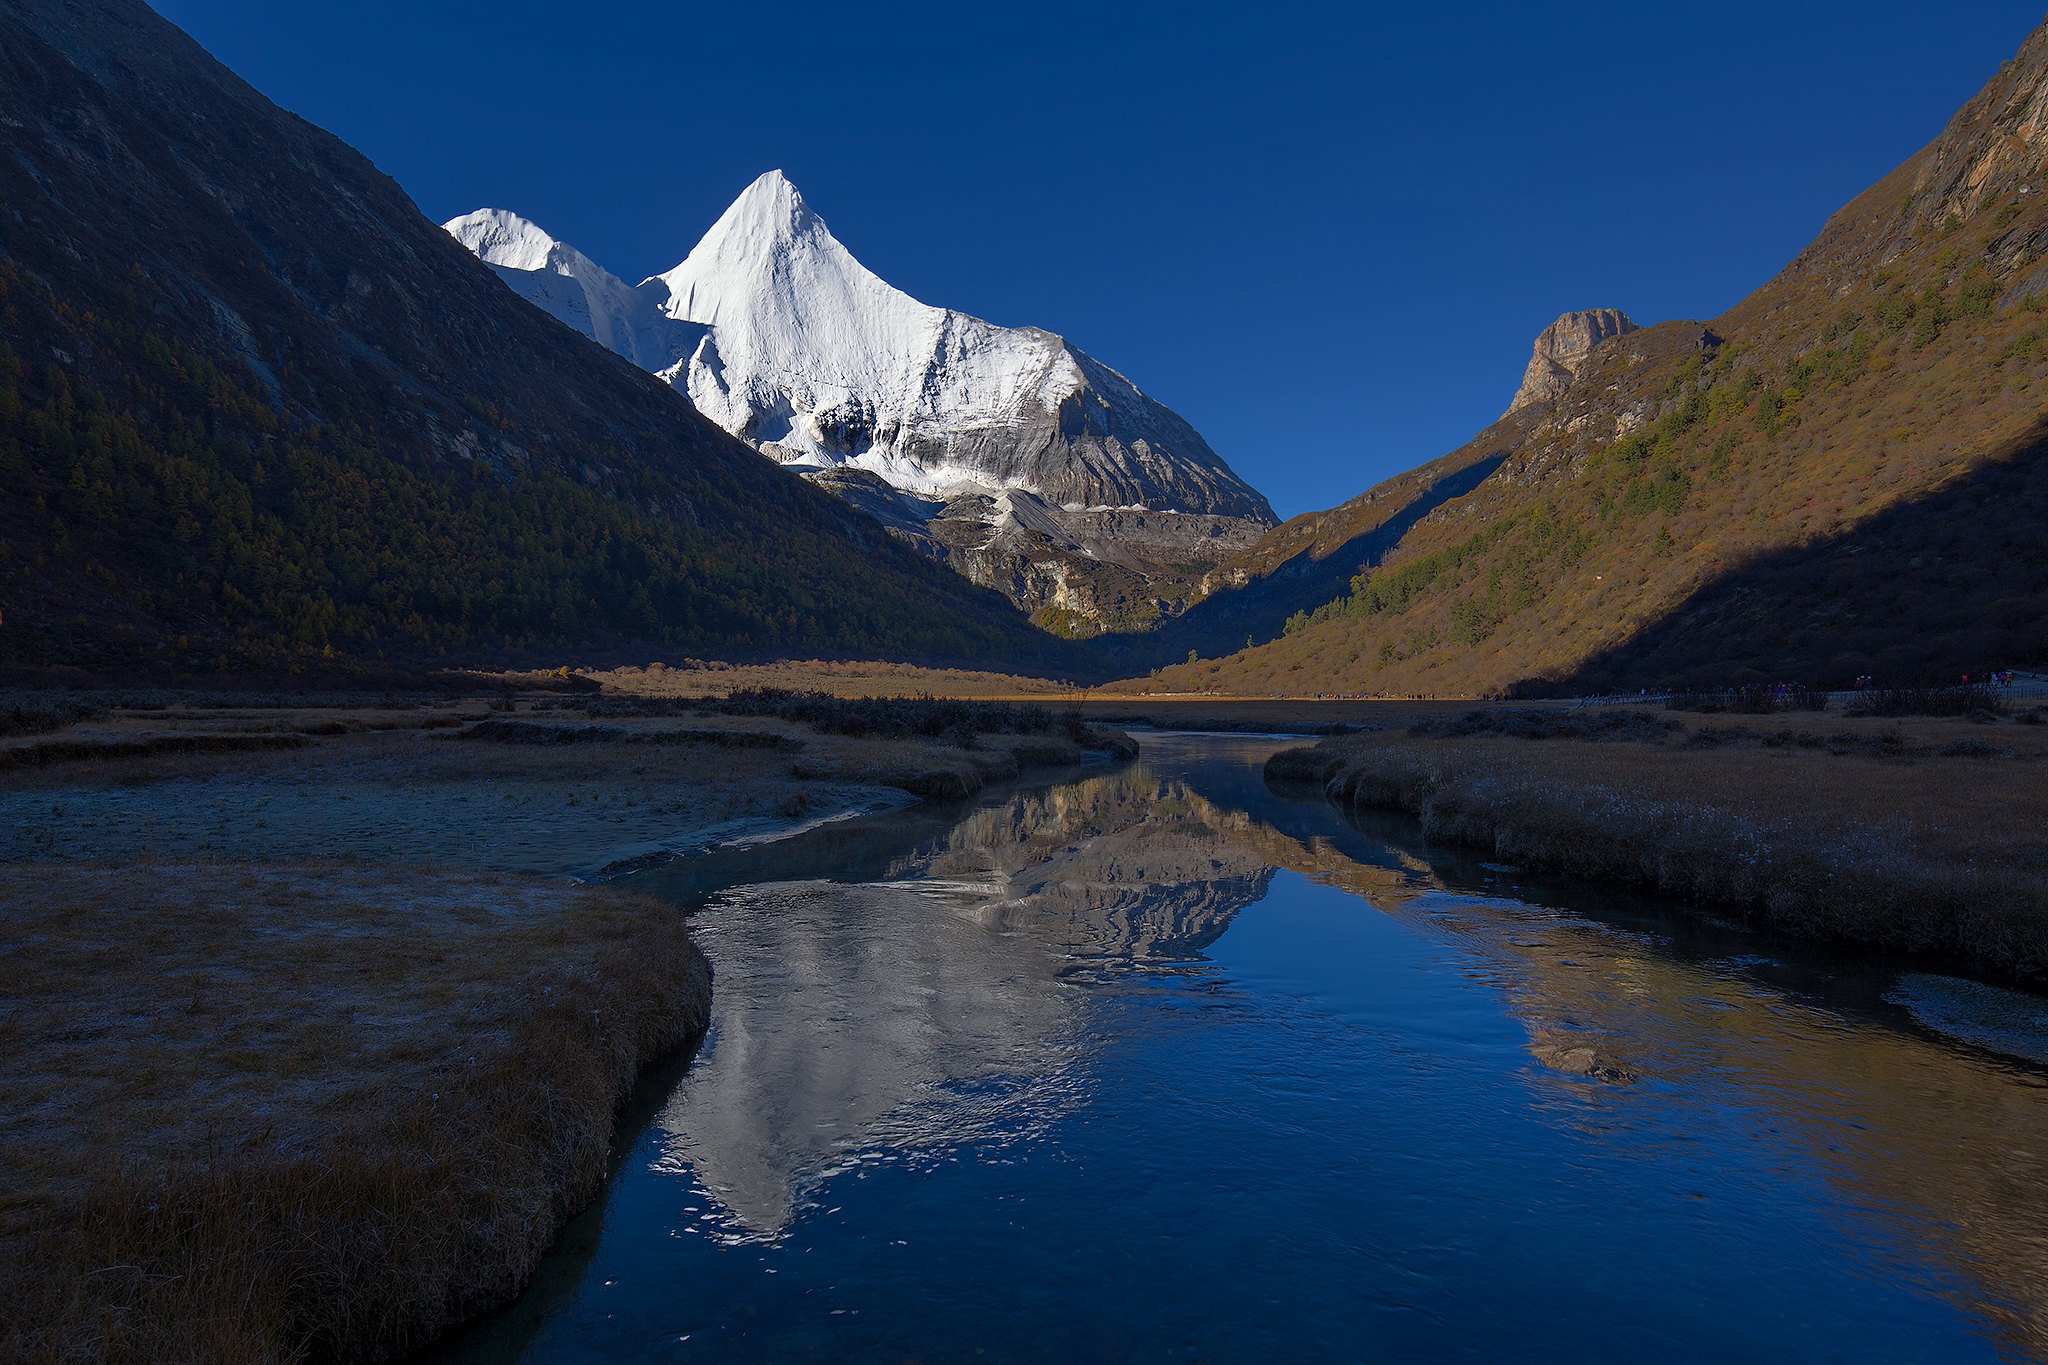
1561, 352
1845, 474
1049, 475
256, 410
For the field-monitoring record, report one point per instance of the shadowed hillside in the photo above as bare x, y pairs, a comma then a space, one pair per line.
256, 411
1311, 558
1948, 583
1838, 476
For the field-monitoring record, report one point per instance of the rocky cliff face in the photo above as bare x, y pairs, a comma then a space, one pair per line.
1042, 468
1561, 350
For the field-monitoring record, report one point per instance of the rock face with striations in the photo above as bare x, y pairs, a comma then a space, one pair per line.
1021, 461
1561, 351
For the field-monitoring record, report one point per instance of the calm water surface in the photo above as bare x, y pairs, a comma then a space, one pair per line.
1157, 1063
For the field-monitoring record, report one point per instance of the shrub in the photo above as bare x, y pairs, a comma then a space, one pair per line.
1928, 701
1758, 699
32, 713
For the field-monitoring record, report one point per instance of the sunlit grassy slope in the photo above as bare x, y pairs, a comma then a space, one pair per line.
1843, 475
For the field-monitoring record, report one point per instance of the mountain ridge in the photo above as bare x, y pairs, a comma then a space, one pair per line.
1799, 488
258, 413
1043, 471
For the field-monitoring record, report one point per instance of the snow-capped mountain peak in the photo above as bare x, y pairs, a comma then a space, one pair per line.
781, 336
760, 227
575, 289
502, 237
770, 241
1024, 447
820, 361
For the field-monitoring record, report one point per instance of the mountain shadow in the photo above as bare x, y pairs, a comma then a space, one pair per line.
1930, 589
1225, 621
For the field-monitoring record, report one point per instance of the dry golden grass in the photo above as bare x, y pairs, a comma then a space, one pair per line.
853, 679
1306, 715
1914, 851
306, 1111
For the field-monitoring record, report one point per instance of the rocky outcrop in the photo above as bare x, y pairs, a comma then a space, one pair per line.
1561, 351
1997, 144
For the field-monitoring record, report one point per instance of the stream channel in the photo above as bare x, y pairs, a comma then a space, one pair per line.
1155, 1062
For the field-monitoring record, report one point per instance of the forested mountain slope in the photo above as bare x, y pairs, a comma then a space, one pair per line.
1846, 474
255, 410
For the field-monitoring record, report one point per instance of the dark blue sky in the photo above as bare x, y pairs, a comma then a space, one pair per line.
1326, 235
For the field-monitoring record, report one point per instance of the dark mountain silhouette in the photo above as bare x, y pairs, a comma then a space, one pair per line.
257, 411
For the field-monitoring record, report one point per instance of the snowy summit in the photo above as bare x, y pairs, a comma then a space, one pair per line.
777, 333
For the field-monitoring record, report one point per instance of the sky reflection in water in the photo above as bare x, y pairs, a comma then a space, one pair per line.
1158, 1062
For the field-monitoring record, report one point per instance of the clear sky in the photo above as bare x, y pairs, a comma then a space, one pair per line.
1325, 234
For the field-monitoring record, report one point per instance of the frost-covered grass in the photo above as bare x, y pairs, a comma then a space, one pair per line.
1915, 852
265, 1113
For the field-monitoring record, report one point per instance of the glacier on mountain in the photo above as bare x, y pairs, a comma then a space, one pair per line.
576, 290
777, 333
1022, 461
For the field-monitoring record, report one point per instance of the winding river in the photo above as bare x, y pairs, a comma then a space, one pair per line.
1158, 1063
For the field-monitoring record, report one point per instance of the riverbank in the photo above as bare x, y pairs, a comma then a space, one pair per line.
544, 788
1111, 703
313, 1036
272, 1112
1920, 836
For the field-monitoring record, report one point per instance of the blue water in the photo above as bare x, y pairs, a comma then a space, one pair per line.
1159, 1064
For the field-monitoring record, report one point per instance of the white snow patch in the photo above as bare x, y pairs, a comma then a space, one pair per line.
779, 335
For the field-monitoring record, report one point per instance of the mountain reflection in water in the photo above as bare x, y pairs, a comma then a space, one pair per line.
1159, 1060
932, 1009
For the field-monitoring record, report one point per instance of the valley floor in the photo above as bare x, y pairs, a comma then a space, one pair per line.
712, 678
314, 1031
1110, 702
1917, 835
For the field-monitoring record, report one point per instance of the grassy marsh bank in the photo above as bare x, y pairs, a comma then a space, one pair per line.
548, 787
308, 1046
1922, 836
307, 1110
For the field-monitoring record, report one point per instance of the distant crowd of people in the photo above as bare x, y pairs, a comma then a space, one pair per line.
1998, 677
